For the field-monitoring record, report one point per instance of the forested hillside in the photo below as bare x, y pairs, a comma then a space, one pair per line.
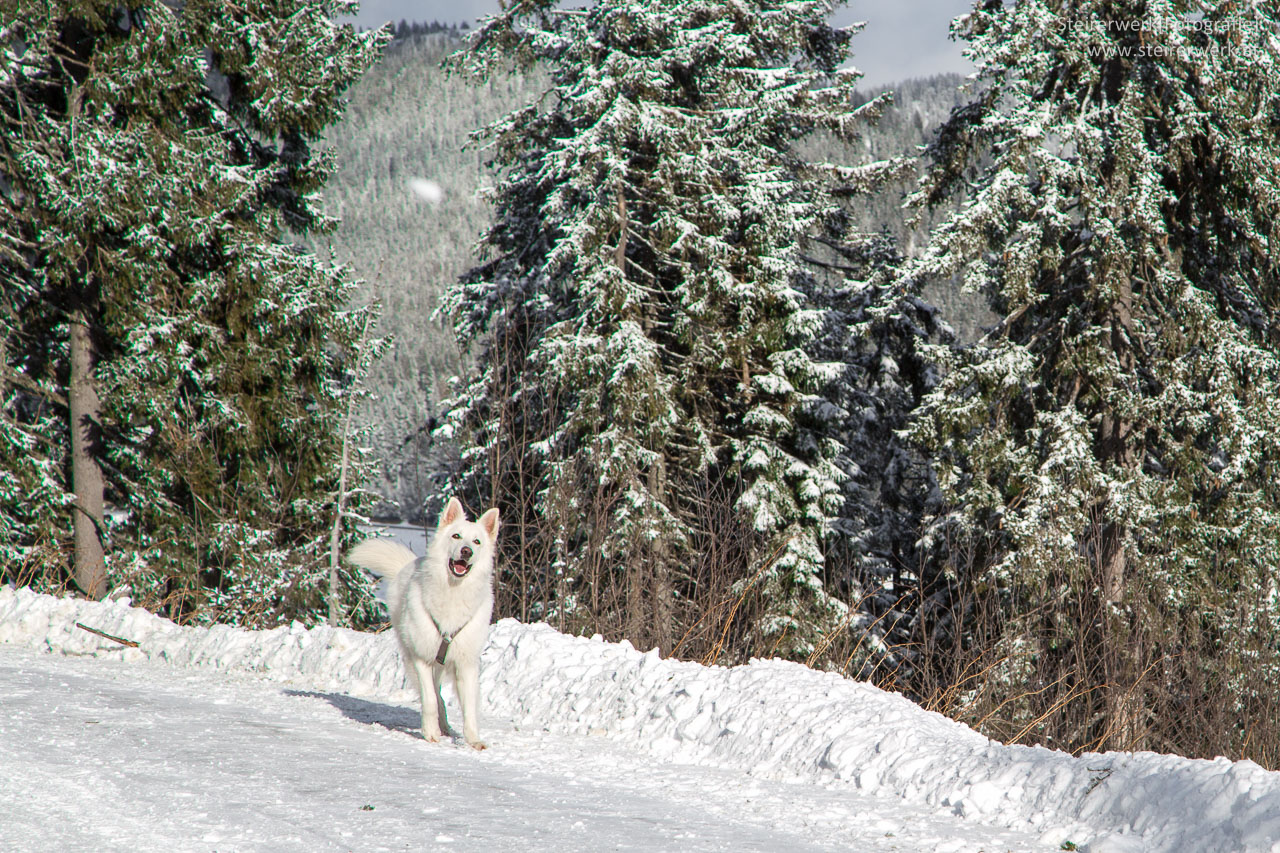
409, 119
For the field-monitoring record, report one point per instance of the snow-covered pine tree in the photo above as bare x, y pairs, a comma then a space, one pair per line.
154, 160
880, 334
648, 415
1110, 446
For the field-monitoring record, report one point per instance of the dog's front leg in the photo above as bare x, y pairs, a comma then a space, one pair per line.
466, 676
437, 676
429, 695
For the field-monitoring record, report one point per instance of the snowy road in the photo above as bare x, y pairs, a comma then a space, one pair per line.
221, 739
100, 754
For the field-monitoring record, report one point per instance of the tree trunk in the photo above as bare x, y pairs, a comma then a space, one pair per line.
86, 475
1121, 655
336, 616
335, 534
662, 593
620, 253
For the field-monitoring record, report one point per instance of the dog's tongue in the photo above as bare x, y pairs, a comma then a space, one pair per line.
459, 567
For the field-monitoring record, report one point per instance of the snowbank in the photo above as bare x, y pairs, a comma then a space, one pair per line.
771, 718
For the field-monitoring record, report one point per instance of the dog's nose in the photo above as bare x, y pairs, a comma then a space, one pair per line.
466, 552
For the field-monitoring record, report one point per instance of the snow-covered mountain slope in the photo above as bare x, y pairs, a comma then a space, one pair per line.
818, 744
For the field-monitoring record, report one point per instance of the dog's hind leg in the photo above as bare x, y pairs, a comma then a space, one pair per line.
466, 677
429, 694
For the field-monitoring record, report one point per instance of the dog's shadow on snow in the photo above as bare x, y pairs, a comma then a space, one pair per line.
390, 717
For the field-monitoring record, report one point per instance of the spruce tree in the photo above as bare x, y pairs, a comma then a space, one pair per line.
649, 413
1109, 447
155, 161
880, 334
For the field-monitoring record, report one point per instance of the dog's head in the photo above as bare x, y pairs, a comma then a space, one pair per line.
467, 544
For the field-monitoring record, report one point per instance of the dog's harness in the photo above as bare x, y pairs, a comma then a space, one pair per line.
446, 639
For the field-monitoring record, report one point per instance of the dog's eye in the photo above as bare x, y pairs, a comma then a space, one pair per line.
457, 536
477, 541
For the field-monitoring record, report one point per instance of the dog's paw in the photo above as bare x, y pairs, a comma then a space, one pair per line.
477, 744
431, 738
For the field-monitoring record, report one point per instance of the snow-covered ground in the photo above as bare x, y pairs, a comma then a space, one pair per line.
295, 739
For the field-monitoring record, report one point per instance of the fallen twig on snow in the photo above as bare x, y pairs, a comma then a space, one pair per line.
119, 640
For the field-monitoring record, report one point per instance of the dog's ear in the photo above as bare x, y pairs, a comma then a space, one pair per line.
489, 521
452, 512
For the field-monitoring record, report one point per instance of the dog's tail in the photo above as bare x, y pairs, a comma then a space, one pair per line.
383, 559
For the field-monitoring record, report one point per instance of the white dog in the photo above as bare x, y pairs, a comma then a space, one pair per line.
440, 606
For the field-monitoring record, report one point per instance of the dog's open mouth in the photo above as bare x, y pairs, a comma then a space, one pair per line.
459, 567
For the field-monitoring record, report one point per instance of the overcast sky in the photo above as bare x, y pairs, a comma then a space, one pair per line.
907, 38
